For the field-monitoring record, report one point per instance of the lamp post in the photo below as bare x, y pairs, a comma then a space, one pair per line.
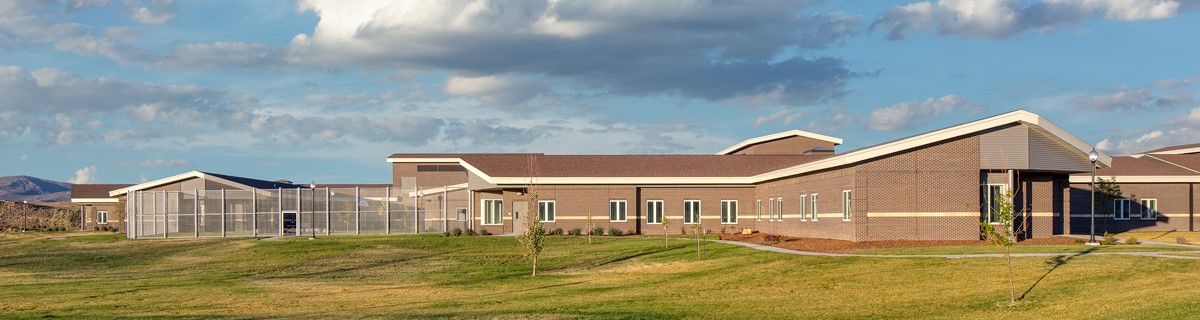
1093, 156
312, 215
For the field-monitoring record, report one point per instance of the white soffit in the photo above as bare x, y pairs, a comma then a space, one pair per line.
777, 136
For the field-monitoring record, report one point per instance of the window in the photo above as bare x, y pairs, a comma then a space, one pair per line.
758, 209
654, 210
1121, 209
101, 217
779, 209
546, 211
771, 209
991, 197
729, 212
814, 207
616, 210
803, 214
493, 212
691, 211
847, 204
462, 213
1149, 209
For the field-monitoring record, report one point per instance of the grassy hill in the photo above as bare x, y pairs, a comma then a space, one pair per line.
105, 275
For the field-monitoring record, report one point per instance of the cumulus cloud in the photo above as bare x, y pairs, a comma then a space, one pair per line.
1183, 129
909, 115
1167, 94
1000, 19
150, 11
712, 50
85, 175
494, 89
787, 115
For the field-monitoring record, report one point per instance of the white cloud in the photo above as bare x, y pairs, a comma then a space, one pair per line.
150, 11
85, 175
1183, 129
160, 163
909, 115
493, 89
786, 114
1000, 19
1161, 95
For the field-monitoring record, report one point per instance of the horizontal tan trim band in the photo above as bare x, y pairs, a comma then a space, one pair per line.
94, 200
920, 214
1139, 179
1132, 217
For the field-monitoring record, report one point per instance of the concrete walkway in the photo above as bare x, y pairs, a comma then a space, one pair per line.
954, 256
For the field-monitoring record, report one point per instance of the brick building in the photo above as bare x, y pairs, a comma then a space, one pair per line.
937, 185
1158, 192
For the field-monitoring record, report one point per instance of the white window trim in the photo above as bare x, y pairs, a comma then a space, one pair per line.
1126, 208
803, 205
685, 211
98, 213
624, 214
813, 207
733, 205
1141, 214
483, 204
650, 213
1003, 191
552, 213
847, 205
779, 209
758, 210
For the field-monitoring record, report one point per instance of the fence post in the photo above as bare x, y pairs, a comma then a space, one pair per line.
196, 211
166, 228
416, 210
299, 210
328, 223
387, 210
445, 224
254, 212
222, 213
280, 210
357, 217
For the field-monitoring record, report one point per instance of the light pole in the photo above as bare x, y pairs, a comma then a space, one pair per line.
312, 195
1093, 156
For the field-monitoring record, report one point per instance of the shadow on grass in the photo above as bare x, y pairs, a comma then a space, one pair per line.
1054, 263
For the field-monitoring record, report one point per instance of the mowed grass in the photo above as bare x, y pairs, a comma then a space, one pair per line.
1163, 236
1068, 249
104, 275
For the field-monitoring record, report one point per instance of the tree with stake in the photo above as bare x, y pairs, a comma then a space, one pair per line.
590, 226
534, 239
1002, 234
665, 223
696, 228
1107, 191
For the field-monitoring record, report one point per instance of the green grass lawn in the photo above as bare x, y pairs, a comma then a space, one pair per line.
104, 275
1027, 249
1163, 236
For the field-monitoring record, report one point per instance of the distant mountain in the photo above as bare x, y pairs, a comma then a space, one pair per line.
32, 189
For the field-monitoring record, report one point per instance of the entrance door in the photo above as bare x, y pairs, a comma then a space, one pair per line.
519, 217
289, 223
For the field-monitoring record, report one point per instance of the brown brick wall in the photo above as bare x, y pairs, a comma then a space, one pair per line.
426, 179
829, 186
1173, 208
89, 215
1039, 198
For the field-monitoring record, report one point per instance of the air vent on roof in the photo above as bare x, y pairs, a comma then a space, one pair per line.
819, 150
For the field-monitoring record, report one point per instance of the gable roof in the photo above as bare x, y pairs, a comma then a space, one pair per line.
776, 136
234, 181
1149, 168
85, 192
1018, 116
1180, 149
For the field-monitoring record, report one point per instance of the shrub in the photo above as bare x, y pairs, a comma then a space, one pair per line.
598, 231
1131, 240
1109, 239
1079, 241
575, 232
1182, 241
456, 232
470, 232
484, 232
614, 232
557, 232
446, 234
772, 238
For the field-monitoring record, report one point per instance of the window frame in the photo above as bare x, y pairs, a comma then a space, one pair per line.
771, 209
101, 213
543, 213
694, 216
492, 214
728, 207
651, 213
461, 214
990, 198
1154, 212
847, 205
803, 211
758, 209
813, 198
623, 209
1118, 209
779, 209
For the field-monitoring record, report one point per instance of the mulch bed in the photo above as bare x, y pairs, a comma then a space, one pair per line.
843, 246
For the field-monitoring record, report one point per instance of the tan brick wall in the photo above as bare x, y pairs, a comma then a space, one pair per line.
426, 179
1173, 208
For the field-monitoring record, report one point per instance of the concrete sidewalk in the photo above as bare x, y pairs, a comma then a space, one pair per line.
955, 256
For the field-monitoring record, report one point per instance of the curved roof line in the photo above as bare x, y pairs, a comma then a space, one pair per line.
777, 136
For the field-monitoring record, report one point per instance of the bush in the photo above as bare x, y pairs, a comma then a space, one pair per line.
456, 232
1131, 240
446, 234
1109, 239
772, 238
575, 232
470, 232
557, 232
484, 232
1079, 241
615, 232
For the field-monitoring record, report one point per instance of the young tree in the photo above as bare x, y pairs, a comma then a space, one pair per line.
534, 239
665, 223
1003, 235
1107, 191
589, 226
696, 228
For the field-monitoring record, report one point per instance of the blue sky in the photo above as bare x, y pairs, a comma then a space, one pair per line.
123, 91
